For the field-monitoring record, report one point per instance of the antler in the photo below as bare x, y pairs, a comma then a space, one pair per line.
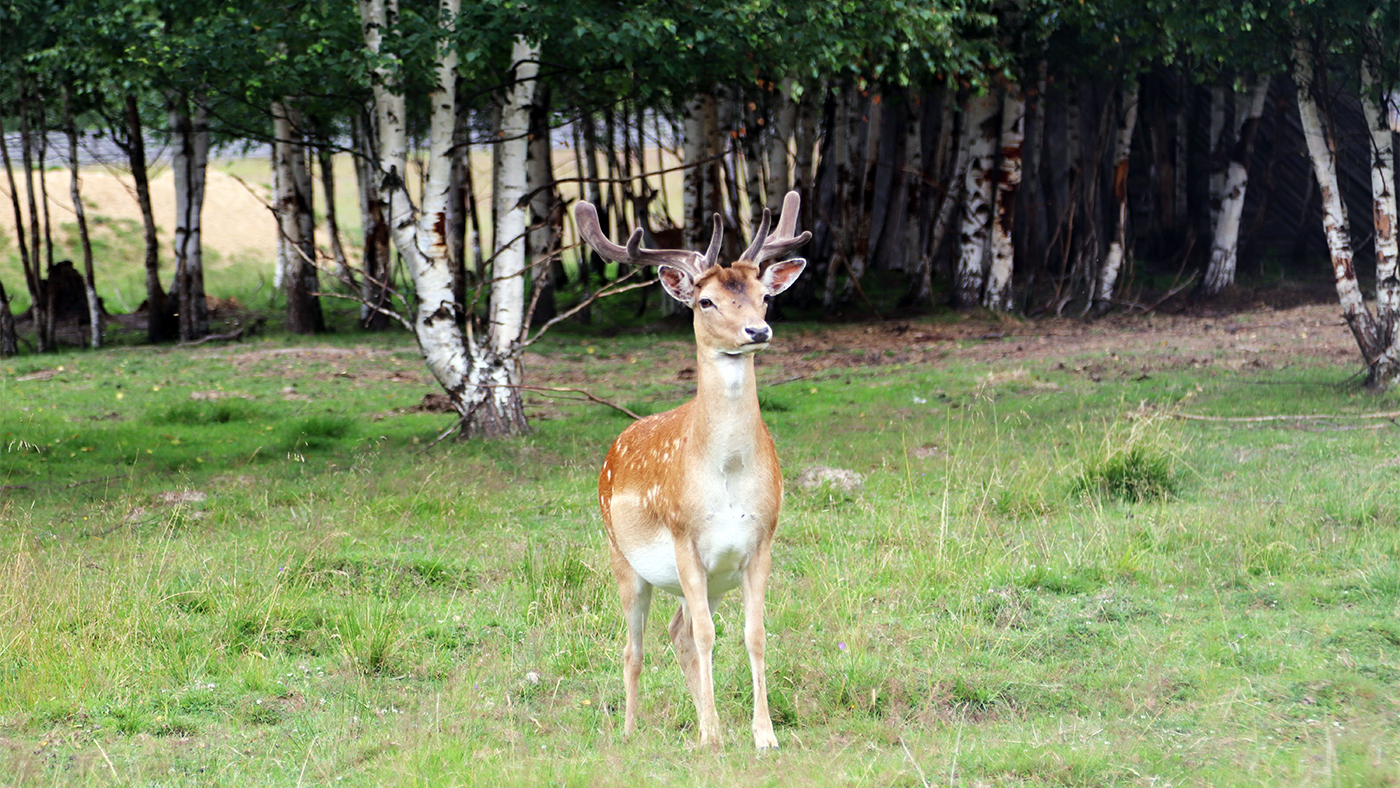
783, 240
633, 254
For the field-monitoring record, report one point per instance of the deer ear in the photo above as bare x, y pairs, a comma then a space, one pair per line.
780, 276
678, 284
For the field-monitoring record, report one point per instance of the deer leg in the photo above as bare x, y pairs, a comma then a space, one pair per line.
683, 640
636, 603
756, 639
694, 585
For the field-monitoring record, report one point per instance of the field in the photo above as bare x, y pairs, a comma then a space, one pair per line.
246, 565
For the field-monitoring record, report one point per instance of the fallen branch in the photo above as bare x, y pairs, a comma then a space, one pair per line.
232, 336
1393, 414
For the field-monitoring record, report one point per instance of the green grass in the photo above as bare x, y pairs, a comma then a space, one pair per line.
284, 585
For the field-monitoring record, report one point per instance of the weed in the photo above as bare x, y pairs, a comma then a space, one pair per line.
1136, 461
315, 433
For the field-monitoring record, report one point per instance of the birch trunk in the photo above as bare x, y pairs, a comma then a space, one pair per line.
1117, 248
839, 219
374, 266
1222, 101
291, 206
982, 130
696, 188
188, 164
783, 128
1013, 124
75, 192
1386, 370
505, 413
1224, 250
545, 224
948, 201
1322, 152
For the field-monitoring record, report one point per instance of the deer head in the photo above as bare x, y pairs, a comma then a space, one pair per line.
730, 302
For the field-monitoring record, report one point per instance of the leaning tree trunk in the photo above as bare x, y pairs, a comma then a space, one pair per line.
1013, 125
1322, 150
1117, 248
1224, 250
89, 281
981, 139
1387, 368
157, 324
1222, 103
326, 158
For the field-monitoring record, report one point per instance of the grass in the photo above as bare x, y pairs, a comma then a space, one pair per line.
240, 565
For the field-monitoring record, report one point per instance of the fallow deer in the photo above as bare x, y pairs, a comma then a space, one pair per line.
690, 497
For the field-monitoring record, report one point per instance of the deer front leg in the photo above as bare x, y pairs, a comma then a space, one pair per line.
695, 586
755, 584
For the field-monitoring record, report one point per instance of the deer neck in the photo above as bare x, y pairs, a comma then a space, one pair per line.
726, 407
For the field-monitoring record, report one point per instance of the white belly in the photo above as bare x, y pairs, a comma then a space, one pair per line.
728, 538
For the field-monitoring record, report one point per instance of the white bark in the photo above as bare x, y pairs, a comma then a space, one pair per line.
1321, 150
1222, 98
188, 163
1383, 198
782, 131
1013, 124
508, 271
284, 196
279, 269
1113, 261
981, 137
695, 218
1224, 251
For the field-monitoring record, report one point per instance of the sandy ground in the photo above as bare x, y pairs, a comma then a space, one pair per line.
236, 221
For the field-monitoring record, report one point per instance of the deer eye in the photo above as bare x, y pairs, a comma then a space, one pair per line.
706, 303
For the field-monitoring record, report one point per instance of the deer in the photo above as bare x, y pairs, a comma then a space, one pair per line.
690, 497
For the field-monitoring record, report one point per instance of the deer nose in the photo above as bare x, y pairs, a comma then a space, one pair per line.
759, 333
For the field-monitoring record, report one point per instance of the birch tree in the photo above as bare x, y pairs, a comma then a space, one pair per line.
1224, 249
1122, 149
480, 372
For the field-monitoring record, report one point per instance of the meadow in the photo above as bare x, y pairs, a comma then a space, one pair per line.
248, 565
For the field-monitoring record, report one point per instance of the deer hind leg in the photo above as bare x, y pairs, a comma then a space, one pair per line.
695, 644
636, 604
756, 640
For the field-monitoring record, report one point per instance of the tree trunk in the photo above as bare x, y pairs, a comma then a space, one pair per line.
1386, 370
781, 132
41, 305
32, 279
326, 158
9, 340
188, 163
89, 281
296, 222
545, 213
158, 327
1224, 249
1222, 106
1322, 152
838, 213
375, 267
1013, 124
480, 375
948, 200
500, 410
982, 131
1117, 248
